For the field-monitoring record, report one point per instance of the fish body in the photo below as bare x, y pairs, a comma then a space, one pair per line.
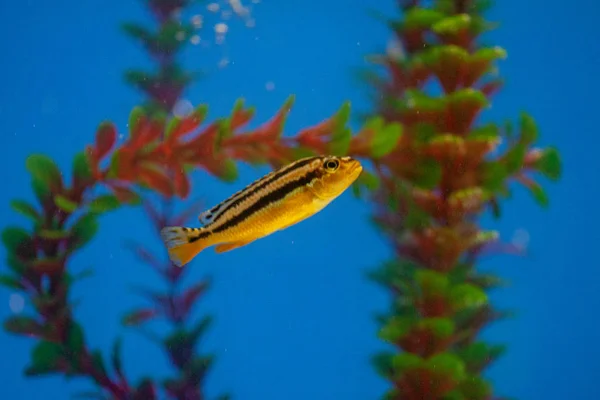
274, 202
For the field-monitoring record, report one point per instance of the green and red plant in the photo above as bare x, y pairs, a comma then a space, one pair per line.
446, 171
66, 219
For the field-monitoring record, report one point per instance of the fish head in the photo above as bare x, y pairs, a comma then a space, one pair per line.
336, 175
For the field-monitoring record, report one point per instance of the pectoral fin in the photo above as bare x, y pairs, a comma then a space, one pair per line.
224, 247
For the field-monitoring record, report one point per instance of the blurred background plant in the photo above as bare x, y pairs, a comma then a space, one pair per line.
431, 191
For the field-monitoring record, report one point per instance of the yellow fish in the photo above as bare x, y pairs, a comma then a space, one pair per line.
274, 202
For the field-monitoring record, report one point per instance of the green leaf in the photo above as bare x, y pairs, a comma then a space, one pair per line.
485, 132
365, 180
514, 158
421, 18
493, 176
44, 170
41, 190
54, 234
22, 325
383, 363
431, 282
15, 264
539, 194
11, 282
75, 340
422, 102
476, 388
529, 130
428, 174
104, 203
396, 328
385, 140
136, 31
84, 229
447, 364
448, 55
65, 204
441, 327
26, 209
229, 171
45, 359
465, 296
452, 24
416, 218
489, 54
98, 361
549, 164
340, 141
116, 357
467, 96
82, 170
478, 354
13, 237
406, 361
200, 328
136, 115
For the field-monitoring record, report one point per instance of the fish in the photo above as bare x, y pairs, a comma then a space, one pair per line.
278, 200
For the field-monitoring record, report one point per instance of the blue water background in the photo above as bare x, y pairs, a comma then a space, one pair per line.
293, 312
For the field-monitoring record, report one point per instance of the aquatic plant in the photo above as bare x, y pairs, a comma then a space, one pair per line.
105, 176
163, 90
154, 160
432, 189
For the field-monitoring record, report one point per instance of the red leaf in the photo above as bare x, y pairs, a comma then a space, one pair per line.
200, 147
272, 129
91, 153
145, 256
156, 180
138, 128
490, 88
125, 165
189, 123
322, 129
138, 317
106, 136
191, 295
182, 184
24, 326
124, 194
240, 118
153, 131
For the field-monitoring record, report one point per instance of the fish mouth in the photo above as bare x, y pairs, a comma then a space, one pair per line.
355, 169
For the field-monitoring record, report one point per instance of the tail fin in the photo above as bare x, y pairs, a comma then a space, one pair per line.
182, 243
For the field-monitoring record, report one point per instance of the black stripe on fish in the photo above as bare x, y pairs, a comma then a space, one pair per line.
267, 200
255, 187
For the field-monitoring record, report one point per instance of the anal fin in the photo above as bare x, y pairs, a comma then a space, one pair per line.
224, 247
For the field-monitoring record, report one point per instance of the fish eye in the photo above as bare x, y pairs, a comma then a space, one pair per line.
332, 165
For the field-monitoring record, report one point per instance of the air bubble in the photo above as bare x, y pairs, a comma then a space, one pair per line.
182, 108
221, 28
197, 21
